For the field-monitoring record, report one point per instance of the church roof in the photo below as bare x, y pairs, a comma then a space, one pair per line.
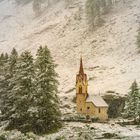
97, 100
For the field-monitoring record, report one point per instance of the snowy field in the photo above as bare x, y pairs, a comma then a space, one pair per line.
83, 131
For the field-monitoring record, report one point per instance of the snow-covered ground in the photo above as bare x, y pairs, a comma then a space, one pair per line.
82, 131
76, 131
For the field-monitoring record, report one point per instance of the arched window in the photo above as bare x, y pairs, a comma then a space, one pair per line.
99, 110
88, 107
80, 89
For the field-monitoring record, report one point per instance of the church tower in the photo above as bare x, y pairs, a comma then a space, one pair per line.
81, 89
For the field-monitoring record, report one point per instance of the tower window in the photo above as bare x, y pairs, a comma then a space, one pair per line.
88, 107
80, 90
99, 110
81, 109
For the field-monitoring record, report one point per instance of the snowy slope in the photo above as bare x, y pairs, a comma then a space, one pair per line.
110, 54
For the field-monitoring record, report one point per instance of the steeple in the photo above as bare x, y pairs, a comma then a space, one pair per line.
81, 70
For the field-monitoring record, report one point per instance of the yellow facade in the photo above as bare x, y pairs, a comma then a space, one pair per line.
99, 112
93, 108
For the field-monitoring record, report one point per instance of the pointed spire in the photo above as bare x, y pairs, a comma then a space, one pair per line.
81, 71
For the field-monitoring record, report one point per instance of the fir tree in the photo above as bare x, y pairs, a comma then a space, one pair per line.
1, 63
3, 85
30, 101
10, 68
3, 77
20, 95
12, 61
47, 100
133, 100
138, 108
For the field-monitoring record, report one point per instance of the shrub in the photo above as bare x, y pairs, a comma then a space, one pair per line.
3, 137
94, 119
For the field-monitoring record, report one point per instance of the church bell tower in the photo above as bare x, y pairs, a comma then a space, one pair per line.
81, 88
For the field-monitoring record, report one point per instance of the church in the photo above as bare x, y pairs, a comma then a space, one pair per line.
86, 104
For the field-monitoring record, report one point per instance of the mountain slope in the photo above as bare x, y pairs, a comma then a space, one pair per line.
110, 54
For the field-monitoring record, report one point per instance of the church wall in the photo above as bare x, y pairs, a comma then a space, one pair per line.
80, 104
100, 112
90, 109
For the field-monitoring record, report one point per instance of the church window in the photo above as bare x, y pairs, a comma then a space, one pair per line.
99, 110
81, 109
80, 90
88, 107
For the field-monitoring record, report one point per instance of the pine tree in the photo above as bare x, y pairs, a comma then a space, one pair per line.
10, 67
3, 60
3, 82
12, 61
138, 108
132, 103
30, 101
1, 63
47, 100
3, 77
20, 95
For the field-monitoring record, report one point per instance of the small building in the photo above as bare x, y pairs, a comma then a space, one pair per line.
89, 105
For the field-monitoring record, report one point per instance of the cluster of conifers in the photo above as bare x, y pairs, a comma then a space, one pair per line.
28, 92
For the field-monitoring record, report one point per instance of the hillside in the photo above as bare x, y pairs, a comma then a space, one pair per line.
110, 55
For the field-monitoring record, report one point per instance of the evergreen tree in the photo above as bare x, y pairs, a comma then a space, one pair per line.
29, 98
3, 82
21, 92
3, 76
138, 108
2, 63
10, 68
47, 100
132, 103
12, 61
